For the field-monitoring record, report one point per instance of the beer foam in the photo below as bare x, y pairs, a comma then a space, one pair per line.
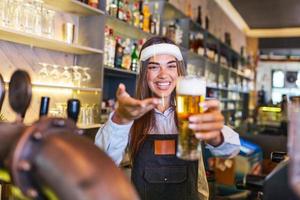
191, 85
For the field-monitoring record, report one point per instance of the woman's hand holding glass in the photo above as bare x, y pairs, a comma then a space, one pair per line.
129, 109
208, 125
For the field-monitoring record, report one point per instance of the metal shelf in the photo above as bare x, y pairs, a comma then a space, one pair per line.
74, 6
43, 42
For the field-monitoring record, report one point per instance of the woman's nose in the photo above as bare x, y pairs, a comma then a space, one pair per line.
163, 71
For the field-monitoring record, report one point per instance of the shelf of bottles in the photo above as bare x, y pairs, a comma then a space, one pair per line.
38, 23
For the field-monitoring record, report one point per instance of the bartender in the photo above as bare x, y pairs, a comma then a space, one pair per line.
138, 122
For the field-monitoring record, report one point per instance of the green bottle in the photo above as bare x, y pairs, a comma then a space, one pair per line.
134, 59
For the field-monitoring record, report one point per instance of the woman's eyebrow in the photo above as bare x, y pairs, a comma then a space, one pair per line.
153, 63
156, 63
172, 61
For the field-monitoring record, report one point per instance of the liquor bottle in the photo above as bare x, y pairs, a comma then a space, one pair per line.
134, 58
178, 33
192, 43
155, 20
147, 14
113, 8
119, 51
189, 9
112, 48
136, 15
106, 46
126, 59
141, 14
199, 44
199, 17
127, 13
120, 11
93, 3
170, 31
108, 3
206, 22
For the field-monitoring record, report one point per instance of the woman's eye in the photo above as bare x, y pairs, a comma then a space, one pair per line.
153, 67
172, 66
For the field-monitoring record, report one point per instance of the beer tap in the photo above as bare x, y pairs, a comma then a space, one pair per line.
73, 109
20, 91
44, 107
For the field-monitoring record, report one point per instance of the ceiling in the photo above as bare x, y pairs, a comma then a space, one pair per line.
269, 13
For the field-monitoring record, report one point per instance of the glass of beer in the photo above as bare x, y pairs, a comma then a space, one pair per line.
190, 92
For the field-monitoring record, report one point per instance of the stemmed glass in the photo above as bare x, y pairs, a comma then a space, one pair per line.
43, 72
55, 73
66, 75
86, 76
77, 75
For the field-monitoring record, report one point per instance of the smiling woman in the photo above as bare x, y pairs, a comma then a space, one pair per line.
149, 123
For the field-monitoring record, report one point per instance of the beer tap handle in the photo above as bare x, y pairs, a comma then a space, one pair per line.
20, 91
44, 106
2, 91
73, 109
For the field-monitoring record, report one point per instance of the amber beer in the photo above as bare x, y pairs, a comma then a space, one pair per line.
190, 92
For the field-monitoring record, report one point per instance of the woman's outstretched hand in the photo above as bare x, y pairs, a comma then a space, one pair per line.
129, 109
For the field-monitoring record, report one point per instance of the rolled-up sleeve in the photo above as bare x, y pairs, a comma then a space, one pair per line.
230, 146
113, 139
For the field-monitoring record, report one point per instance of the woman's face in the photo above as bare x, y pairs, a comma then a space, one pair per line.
162, 74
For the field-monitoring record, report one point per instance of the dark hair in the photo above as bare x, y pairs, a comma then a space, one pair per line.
142, 126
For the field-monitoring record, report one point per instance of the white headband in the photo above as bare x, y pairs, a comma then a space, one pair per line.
163, 48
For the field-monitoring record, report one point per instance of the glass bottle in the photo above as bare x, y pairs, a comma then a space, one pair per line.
106, 45
113, 8
136, 15
134, 58
93, 3
206, 22
156, 16
119, 51
120, 11
112, 48
141, 14
127, 13
126, 59
147, 14
199, 16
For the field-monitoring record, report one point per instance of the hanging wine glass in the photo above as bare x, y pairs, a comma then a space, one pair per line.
86, 76
66, 75
77, 75
55, 75
43, 72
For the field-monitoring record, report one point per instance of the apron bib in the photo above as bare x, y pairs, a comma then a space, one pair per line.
158, 174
